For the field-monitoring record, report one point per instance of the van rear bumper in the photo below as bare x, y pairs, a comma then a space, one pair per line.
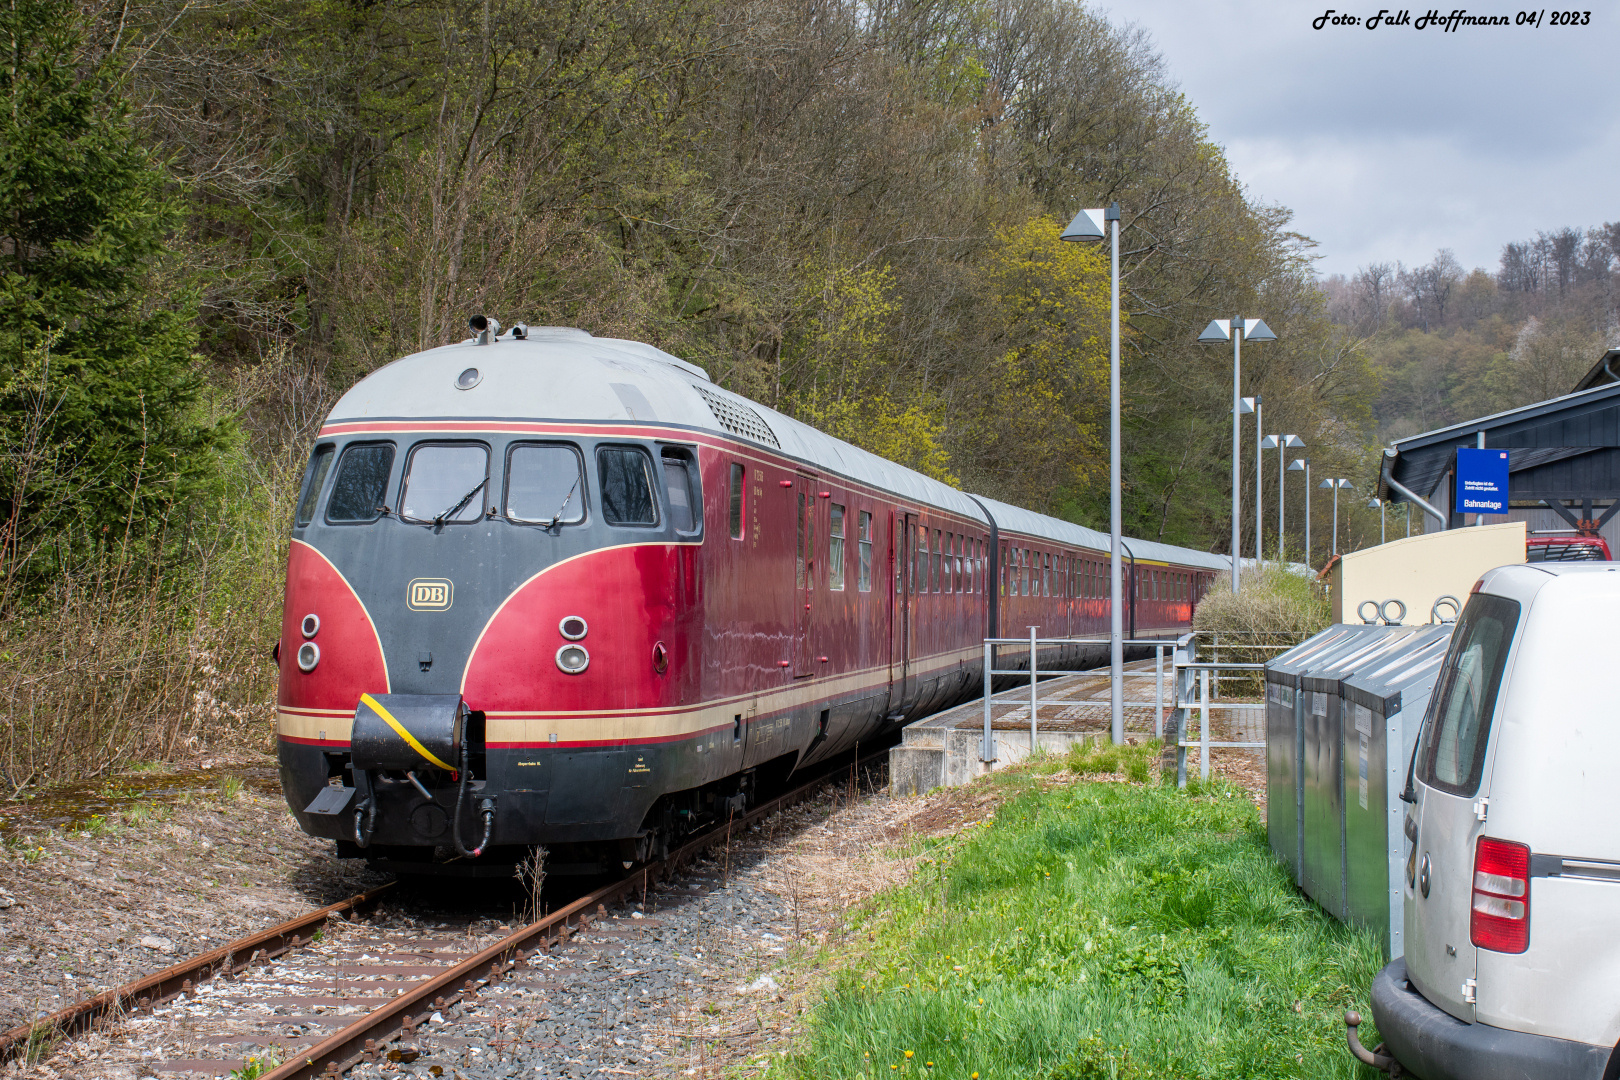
1434, 1045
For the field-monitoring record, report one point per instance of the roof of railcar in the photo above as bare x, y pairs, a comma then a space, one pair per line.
559, 373
564, 374
1017, 519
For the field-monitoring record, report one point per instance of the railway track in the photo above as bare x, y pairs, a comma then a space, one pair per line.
335, 987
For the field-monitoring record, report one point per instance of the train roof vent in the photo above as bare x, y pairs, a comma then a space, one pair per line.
738, 418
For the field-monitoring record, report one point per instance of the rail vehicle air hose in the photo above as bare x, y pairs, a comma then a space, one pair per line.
461, 798
366, 811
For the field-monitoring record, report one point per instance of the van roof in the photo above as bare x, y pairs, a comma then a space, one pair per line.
1559, 569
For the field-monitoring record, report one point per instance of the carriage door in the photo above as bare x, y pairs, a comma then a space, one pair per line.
903, 529
805, 505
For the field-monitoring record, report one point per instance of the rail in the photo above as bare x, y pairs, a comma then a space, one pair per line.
366, 1038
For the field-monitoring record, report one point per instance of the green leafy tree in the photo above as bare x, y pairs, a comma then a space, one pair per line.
99, 424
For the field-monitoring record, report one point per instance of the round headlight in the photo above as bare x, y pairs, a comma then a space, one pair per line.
311, 625
309, 654
573, 627
573, 659
468, 379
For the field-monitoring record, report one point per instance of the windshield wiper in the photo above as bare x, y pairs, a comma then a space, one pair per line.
566, 500
456, 509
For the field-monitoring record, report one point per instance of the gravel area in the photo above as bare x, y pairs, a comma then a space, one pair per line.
705, 976
711, 973
143, 881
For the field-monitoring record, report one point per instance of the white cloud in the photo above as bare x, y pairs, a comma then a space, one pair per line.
1392, 143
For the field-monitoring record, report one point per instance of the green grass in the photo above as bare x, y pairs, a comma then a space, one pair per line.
1094, 930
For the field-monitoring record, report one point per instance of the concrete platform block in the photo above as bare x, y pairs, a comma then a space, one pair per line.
915, 770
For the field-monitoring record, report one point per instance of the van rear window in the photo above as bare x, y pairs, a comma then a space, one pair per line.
1454, 750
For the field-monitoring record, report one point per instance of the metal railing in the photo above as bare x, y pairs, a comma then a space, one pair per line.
1189, 670
987, 748
1191, 689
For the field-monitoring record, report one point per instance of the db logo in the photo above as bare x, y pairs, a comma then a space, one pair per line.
428, 594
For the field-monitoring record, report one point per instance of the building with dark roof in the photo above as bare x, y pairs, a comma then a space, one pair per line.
1563, 464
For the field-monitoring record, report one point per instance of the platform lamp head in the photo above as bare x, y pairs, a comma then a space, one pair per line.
1236, 331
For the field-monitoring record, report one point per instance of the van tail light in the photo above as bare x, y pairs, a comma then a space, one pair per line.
1500, 920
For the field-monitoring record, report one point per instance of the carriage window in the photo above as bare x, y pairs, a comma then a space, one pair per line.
681, 487
835, 556
362, 479
798, 573
972, 554
314, 477
920, 577
1023, 572
544, 484
626, 478
865, 579
933, 566
956, 563
1046, 575
737, 475
949, 584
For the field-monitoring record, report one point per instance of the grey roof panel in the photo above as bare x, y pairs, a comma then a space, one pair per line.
558, 373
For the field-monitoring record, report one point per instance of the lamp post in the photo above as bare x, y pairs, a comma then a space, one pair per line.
1305, 464
1335, 482
1235, 330
1280, 443
1380, 504
1259, 432
1090, 226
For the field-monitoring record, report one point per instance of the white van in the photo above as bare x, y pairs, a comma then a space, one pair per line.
1512, 915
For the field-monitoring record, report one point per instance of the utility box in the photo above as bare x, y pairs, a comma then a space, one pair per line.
1385, 705
1285, 744
1314, 761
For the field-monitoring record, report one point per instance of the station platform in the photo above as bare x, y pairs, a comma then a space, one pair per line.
943, 750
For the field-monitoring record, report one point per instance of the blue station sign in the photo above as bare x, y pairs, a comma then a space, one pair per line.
1482, 481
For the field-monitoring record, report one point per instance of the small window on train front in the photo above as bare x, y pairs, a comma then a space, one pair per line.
738, 475
545, 485
314, 477
626, 486
680, 485
361, 483
444, 483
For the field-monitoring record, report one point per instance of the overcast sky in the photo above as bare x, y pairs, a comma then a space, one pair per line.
1392, 143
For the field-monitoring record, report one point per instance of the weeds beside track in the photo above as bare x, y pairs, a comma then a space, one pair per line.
1093, 929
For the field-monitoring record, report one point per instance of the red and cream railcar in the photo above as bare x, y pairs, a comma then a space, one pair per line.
546, 588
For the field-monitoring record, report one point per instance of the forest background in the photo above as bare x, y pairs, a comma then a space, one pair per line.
215, 215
